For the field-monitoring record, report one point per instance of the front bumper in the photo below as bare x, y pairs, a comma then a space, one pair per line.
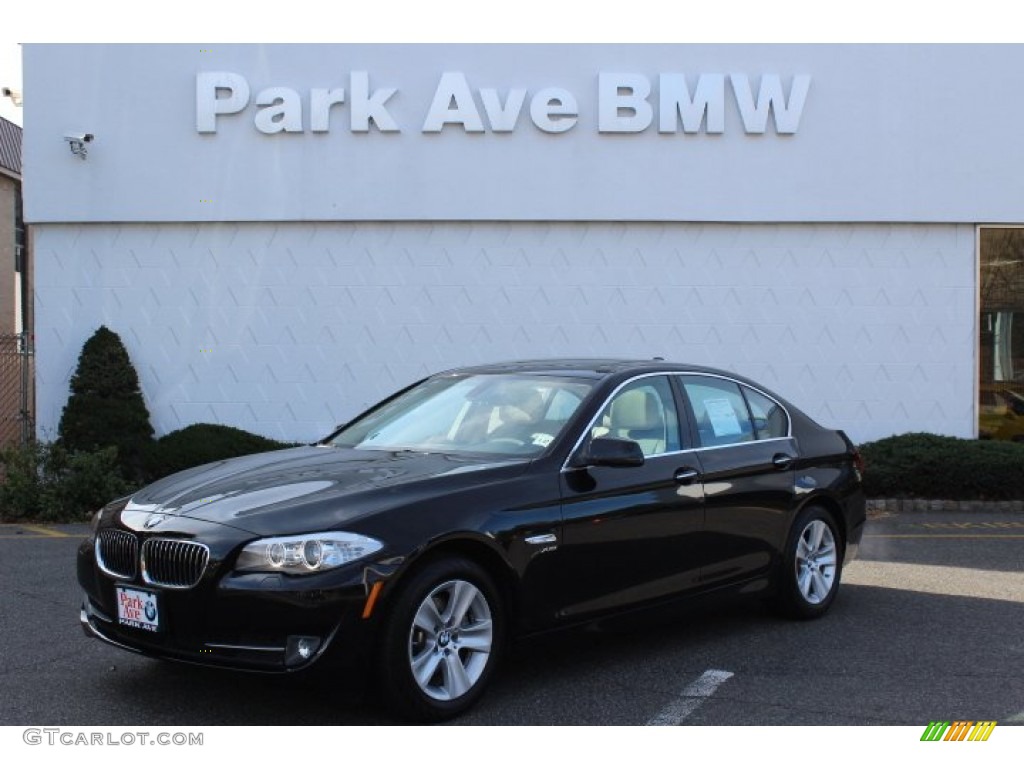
249, 621
294, 653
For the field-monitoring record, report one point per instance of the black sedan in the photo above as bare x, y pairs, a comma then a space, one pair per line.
473, 507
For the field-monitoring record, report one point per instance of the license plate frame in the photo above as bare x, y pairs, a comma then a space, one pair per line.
138, 608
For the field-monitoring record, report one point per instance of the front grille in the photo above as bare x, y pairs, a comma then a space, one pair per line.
117, 552
173, 563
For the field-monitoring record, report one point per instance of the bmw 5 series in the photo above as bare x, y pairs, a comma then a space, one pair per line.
474, 507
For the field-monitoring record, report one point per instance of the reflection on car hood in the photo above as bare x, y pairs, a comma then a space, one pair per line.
304, 489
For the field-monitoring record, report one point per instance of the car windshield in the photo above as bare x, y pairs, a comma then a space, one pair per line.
509, 414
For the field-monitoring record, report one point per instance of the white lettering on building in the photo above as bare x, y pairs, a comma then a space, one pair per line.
675, 103
227, 93
770, 98
369, 106
453, 105
552, 110
626, 104
622, 103
218, 93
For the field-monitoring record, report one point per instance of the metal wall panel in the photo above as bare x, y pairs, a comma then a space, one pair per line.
288, 329
893, 133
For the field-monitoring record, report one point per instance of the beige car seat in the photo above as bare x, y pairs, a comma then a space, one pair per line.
638, 415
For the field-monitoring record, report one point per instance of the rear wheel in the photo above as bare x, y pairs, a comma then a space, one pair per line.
441, 641
812, 565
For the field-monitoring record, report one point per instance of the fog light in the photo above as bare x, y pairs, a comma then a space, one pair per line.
300, 649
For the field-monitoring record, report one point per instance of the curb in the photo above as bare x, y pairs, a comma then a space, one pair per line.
943, 505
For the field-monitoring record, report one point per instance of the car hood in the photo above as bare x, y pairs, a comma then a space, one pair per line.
304, 489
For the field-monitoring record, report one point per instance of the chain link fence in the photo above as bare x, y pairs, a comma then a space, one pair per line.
17, 389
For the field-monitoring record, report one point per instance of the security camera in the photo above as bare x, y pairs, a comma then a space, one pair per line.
13, 94
77, 142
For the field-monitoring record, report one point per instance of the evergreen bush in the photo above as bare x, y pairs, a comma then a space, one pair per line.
106, 406
202, 443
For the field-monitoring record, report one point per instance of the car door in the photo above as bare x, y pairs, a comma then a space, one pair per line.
745, 453
629, 533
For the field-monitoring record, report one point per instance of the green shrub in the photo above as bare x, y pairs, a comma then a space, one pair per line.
105, 443
21, 492
46, 482
202, 443
106, 406
919, 465
83, 482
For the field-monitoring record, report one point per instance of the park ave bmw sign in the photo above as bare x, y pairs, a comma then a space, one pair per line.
626, 103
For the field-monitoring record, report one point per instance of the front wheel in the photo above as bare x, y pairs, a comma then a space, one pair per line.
441, 641
812, 565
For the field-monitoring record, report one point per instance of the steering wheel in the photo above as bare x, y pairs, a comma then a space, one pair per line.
510, 440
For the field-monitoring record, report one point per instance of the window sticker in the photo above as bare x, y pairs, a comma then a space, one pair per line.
723, 417
542, 439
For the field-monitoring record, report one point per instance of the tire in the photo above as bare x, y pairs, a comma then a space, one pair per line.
441, 641
812, 565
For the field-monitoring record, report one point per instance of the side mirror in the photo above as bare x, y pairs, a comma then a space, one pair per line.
610, 452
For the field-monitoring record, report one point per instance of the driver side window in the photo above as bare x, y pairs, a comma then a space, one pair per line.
643, 411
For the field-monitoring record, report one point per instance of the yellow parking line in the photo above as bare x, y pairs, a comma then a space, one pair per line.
998, 525
43, 531
944, 535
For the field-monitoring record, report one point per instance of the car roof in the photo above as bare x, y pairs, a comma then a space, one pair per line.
621, 369
595, 368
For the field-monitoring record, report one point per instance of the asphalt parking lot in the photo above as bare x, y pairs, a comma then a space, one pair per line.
927, 626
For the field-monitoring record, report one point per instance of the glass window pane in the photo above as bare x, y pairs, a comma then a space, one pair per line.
719, 410
643, 411
517, 414
770, 419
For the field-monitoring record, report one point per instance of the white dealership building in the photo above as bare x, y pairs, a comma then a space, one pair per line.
283, 234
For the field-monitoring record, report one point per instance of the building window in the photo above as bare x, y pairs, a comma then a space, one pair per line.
1001, 334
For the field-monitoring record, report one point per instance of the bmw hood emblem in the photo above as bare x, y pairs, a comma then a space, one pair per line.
153, 521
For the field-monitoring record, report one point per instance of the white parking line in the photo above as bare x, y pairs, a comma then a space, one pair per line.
695, 694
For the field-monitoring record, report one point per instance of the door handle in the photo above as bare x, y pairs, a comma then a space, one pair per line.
686, 475
782, 461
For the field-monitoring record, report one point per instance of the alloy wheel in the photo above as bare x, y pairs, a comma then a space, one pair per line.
816, 559
450, 640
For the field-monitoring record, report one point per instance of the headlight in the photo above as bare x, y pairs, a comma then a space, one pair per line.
309, 553
94, 523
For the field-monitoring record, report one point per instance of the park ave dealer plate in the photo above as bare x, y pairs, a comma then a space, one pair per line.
137, 608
